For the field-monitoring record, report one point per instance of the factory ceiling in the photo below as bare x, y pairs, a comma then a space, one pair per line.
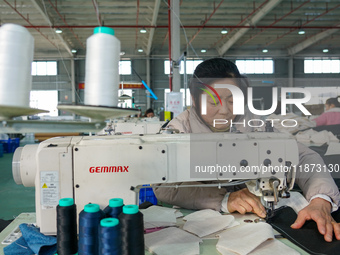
282, 27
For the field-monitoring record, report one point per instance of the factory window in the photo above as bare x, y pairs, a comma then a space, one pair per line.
191, 65
319, 95
40, 68
123, 101
322, 65
255, 66
46, 100
125, 67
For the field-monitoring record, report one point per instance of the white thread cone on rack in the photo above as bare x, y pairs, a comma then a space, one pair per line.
102, 68
16, 56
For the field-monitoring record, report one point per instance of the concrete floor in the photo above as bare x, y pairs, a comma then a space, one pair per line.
14, 199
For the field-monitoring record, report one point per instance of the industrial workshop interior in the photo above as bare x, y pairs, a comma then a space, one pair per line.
169, 127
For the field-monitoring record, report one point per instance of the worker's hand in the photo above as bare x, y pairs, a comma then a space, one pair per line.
243, 201
319, 210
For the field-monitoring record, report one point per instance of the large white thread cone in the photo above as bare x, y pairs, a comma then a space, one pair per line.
16, 56
102, 68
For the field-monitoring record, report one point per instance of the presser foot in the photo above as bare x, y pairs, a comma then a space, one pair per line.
269, 212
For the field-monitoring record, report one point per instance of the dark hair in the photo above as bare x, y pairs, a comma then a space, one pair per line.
212, 70
334, 101
148, 111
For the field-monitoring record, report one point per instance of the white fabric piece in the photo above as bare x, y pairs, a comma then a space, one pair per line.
333, 149
315, 137
178, 214
234, 224
323, 136
225, 251
208, 226
303, 138
202, 215
302, 122
269, 247
273, 246
245, 238
171, 241
157, 216
296, 201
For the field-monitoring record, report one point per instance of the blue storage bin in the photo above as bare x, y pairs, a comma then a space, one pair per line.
3, 144
10, 145
146, 194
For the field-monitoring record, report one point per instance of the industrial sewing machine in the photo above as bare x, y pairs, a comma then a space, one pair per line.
133, 126
93, 169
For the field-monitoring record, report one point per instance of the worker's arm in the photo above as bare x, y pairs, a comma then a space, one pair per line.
191, 197
314, 184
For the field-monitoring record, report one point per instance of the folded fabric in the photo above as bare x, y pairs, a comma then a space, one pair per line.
315, 137
266, 248
209, 226
322, 137
202, 215
19, 247
171, 241
307, 237
271, 245
244, 238
157, 216
178, 214
302, 122
333, 149
32, 242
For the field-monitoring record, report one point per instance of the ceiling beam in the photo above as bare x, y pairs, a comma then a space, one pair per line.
304, 24
189, 26
310, 41
205, 22
241, 22
153, 23
252, 21
63, 19
48, 19
276, 21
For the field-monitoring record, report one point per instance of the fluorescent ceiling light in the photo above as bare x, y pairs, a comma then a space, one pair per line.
224, 31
